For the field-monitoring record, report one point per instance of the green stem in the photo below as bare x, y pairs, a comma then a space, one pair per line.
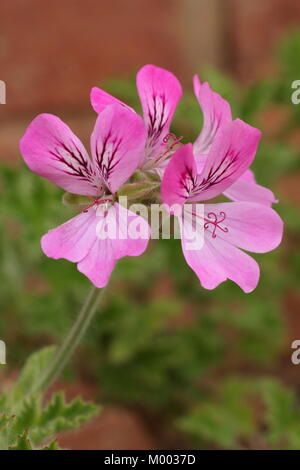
75, 335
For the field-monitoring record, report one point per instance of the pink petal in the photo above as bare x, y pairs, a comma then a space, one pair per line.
117, 145
73, 239
216, 112
245, 188
179, 176
228, 227
159, 92
102, 257
250, 226
100, 99
242, 190
248, 176
231, 154
96, 239
218, 261
51, 150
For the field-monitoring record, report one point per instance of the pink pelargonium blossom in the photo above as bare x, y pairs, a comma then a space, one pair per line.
51, 150
217, 113
159, 92
229, 227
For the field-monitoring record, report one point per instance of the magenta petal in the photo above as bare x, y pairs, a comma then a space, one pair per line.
106, 250
245, 188
159, 92
231, 154
100, 99
252, 227
51, 150
117, 145
216, 112
179, 177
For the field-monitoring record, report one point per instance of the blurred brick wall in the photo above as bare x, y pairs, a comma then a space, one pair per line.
52, 53
253, 30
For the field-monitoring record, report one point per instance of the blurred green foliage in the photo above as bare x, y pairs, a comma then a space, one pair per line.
28, 424
206, 363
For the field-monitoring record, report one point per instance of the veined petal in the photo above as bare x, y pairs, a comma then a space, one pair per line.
180, 176
117, 145
159, 92
100, 99
216, 112
115, 239
245, 188
231, 154
51, 150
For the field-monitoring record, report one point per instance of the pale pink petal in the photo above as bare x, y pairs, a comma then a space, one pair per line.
231, 154
117, 145
73, 239
179, 177
159, 92
253, 227
100, 99
242, 190
200, 160
51, 150
115, 239
97, 266
216, 112
248, 176
218, 260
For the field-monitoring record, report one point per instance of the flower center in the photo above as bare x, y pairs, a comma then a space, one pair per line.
105, 201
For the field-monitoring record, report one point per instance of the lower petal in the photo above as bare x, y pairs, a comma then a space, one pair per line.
119, 233
218, 261
73, 239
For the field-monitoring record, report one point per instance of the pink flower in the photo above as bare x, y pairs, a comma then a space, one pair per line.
228, 227
51, 150
159, 92
217, 113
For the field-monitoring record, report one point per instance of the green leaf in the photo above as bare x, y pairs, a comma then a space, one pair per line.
22, 443
224, 420
53, 445
27, 415
31, 373
59, 416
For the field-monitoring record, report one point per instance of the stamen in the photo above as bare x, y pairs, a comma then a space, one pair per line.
212, 218
166, 140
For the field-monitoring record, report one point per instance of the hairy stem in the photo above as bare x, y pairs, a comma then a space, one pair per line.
70, 343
